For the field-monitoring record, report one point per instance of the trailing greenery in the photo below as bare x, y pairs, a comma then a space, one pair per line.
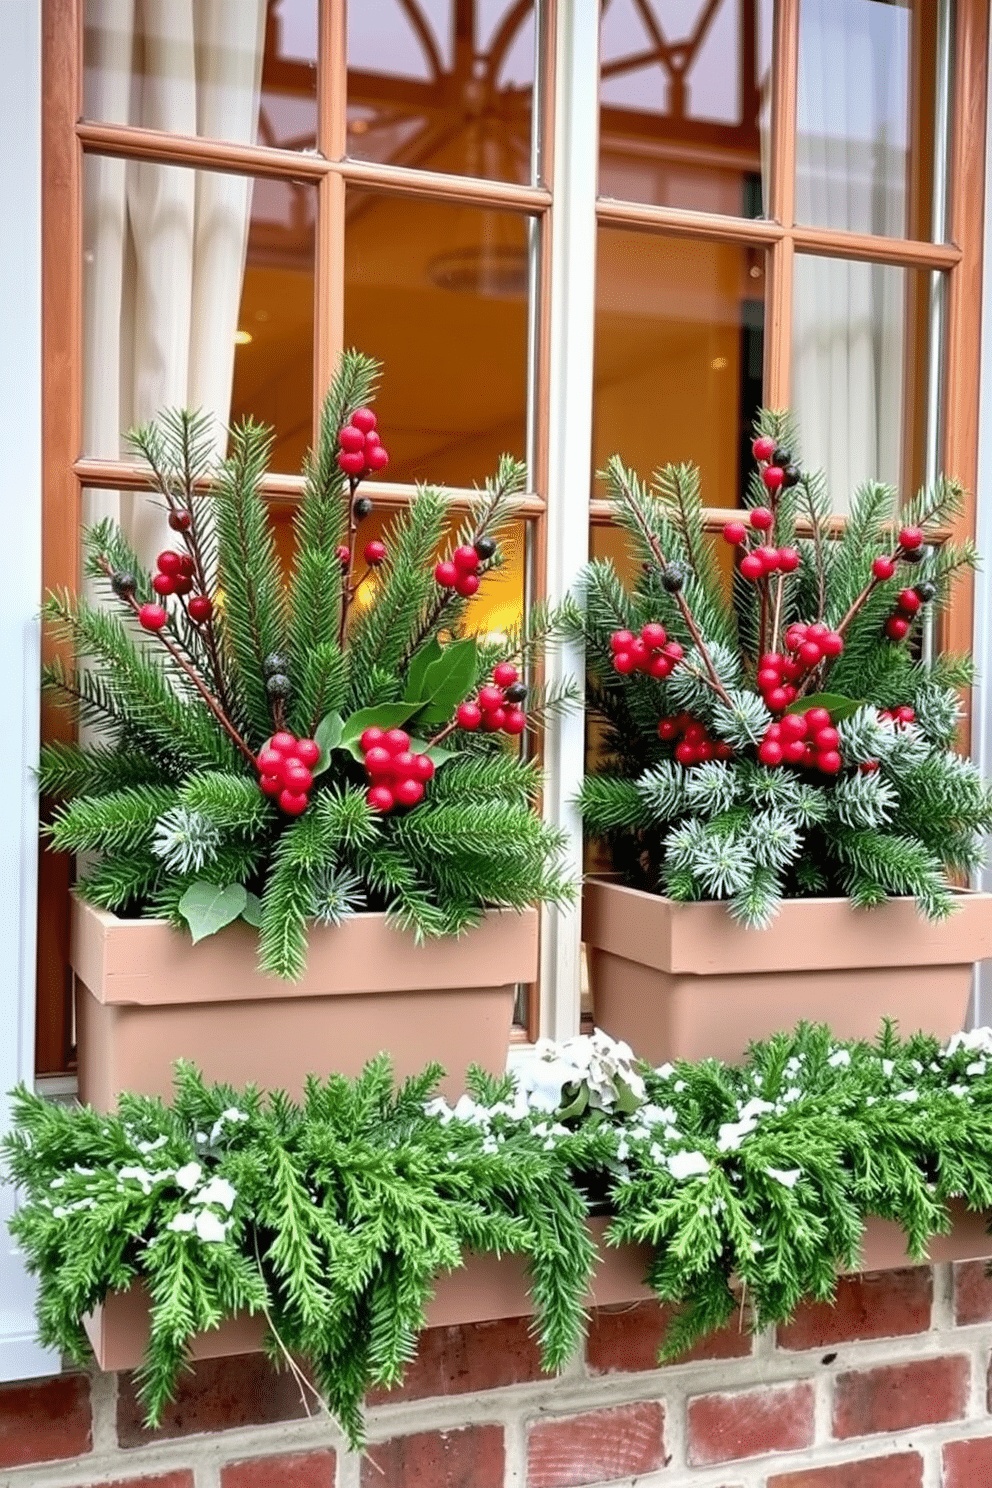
332, 1218
700, 790
186, 680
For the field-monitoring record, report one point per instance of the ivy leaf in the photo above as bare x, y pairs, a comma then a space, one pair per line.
252, 912
573, 1104
419, 663
627, 1101
207, 908
837, 706
448, 681
328, 736
384, 716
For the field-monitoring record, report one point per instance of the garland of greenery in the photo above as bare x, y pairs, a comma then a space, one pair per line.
331, 1218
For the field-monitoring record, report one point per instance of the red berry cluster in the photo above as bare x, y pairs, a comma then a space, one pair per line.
777, 676
397, 777
903, 714
760, 561
695, 742
650, 652
496, 707
360, 450
803, 739
777, 469
461, 571
909, 550
284, 768
908, 604
174, 573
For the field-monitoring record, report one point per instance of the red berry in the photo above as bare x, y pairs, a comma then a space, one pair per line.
152, 616
704, 750
186, 565
180, 521
396, 740
668, 729
168, 562
723, 752
752, 566
911, 538
370, 738
695, 733
685, 753
380, 798
735, 533
869, 767
376, 458
771, 659
465, 559
468, 584
505, 674
794, 726
494, 719
791, 671
375, 552
344, 555
620, 640
352, 462
763, 447
364, 419
769, 558
270, 785
826, 738
379, 761
790, 693
371, 439
832, 643
883, 568
292, 802
515, 721
817, 718
307, 752
794, 751
408, 792
773, 476
490, 697
182, 583
788, 560
674, 651
908, 601
623, 663
270, 762
351, 439
446, 574
829, 761
777, 699
809, 653
201, 607
284, 742
469, 716
905, 714
770, 752
297, 777
794, 637
423, 767
761, 517
164, 583
403, 764
817, 631
660, 667
653, 635
896, 628
768, 678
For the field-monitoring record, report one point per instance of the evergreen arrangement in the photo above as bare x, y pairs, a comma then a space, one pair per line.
293, 752
332, 1218
787, 734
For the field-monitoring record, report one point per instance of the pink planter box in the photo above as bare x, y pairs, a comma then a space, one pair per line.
684, 981
146, 996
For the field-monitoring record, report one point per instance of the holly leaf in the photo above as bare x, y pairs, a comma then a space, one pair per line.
837, 706
252, 912
207, 907
384, 716
448, 681
328, 736
435, 752
419, 664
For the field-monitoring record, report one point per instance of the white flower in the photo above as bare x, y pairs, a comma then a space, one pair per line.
839, 1058
687, 1165
217, 1191
788, 1177
210, 1228
188, 1177
181, 1224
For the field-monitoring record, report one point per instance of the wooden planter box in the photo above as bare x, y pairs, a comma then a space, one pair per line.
146, 996
684, 981
489, 1287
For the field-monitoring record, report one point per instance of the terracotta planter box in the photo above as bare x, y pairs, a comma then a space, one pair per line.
496, 1287
683, 981
146, 996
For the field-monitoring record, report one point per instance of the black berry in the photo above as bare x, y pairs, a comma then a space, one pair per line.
362, 507
485, 547
516, 692
673, 577
912, 555
123, 584
781, 457
277, 686
925, 591
791, 475
275, 663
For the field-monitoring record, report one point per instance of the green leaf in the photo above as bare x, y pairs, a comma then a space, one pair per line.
449, 680
627, 1101
573, 1105
433, 752
328, 736
419, 663
252, 912
384, 716
838, 707
206, 908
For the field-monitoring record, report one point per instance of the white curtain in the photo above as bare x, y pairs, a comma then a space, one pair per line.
164, 246
851, 174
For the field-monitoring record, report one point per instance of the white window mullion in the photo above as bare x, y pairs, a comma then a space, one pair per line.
20, 402
573, 297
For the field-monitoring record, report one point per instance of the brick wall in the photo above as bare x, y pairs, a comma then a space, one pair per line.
888, 1389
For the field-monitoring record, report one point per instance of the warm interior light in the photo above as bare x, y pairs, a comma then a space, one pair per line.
242, 338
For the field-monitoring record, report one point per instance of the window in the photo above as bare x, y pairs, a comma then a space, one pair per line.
433, 182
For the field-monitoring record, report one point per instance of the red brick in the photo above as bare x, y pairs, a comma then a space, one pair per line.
972, 1293
626, 1339
216, 1395
299, 1470
473, 1356
896, 1396
903, 1470
467, 1458
881, 1304
181, 1479
597, 1447
724, 1428
967, 1464
41, 1420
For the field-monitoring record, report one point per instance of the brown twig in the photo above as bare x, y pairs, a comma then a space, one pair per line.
347, 591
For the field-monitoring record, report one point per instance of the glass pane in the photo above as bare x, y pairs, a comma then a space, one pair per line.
242, 71
197, 292
439, 294
683, 86
442, 86
679, 344
871, 121
865, 350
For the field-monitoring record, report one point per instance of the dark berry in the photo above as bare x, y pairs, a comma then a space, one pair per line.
362, 506
275, 662
277, 686
781, 456
516, 692
673, 577
912, 555
791, 475
123, 584
925, 592
180, 521
485, 547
